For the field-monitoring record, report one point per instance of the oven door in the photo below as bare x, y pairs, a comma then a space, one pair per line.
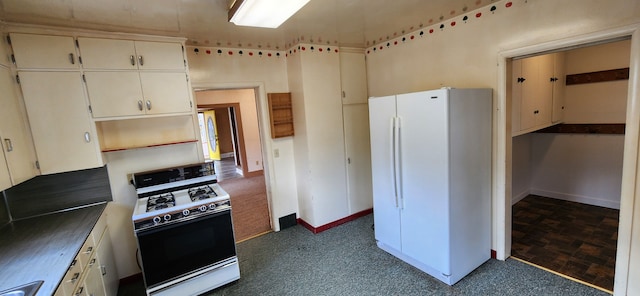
172, 251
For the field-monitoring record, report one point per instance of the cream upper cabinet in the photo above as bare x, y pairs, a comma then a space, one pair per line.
114, 94
14, 132
165, 92
536, 92
99, 53
60, 122
353, 77
160, 55
33, 51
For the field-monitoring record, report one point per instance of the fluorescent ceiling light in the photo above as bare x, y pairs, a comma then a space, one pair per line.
263, 13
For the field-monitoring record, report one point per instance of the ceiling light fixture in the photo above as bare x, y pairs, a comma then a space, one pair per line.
263, 13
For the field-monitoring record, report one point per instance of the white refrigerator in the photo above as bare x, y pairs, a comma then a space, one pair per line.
431, 164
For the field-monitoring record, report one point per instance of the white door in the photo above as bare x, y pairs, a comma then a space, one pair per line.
424, 172
386, 216
357, 147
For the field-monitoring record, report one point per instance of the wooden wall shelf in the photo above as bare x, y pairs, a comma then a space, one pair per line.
281, 115
585, 128
599, 76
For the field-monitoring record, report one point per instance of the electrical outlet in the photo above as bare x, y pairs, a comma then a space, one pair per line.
276, 153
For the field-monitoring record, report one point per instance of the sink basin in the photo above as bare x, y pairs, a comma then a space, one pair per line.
29, 289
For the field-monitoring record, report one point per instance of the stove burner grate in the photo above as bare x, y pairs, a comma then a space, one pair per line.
161, 201
200, 193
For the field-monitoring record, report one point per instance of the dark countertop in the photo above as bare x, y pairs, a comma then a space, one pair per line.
42, 248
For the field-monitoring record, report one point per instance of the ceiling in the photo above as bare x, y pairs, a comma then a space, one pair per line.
352, 23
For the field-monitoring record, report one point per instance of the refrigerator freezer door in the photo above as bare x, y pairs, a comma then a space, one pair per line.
425, 177
382, 112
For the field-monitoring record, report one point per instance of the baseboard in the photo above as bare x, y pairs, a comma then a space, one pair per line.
254, 174
519, 197
131, 279
594, 201
322, 228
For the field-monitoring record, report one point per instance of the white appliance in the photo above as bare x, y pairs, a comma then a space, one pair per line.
183, 226
431, 163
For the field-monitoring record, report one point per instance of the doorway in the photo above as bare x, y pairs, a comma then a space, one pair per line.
239, 167
566, 179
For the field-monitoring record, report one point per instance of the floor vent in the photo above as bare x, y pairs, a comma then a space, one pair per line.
287, 221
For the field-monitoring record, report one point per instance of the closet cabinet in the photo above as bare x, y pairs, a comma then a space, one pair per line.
62, 129
15, 137
355, 118
99, 53
537, 85
44, 51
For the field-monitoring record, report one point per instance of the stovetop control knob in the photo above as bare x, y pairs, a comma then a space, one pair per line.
156, 219
185, 212
167, 217
203, 208
212, 207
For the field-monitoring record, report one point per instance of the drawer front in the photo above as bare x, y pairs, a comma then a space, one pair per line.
72, 278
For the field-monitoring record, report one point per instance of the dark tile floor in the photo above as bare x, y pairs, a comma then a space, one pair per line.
574, 239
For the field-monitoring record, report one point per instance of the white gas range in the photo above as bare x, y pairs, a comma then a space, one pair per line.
182, 222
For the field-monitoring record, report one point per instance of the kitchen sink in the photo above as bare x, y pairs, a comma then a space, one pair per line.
29, 289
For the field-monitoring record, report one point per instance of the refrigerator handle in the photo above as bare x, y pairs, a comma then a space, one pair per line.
398, 163
395, 158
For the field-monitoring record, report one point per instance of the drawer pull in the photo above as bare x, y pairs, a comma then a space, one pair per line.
92, 262
79, 291
89, 250
73, 263
74, 278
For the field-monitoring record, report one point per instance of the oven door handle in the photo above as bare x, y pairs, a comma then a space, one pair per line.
178, 223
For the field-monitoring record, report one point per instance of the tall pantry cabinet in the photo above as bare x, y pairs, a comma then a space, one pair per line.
327, 129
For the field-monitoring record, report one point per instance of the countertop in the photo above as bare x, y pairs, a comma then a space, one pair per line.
42, 248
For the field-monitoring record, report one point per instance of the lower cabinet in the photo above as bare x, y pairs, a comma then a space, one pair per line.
92, 273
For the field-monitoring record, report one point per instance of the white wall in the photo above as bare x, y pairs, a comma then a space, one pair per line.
269, 74
602, 102
521, 167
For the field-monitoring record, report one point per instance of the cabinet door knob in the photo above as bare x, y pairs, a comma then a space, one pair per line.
7, 143
72, 59
132, 59
140, 60
140, 105
87, 137
148, 105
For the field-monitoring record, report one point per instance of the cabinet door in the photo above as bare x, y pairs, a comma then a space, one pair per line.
16, 137
44, 51
114, 93
559, 83
165, 92
107, 265
353, 76
5, 178
535, 108
159, 55
93, 278
358, 150
60, 121
98, 53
